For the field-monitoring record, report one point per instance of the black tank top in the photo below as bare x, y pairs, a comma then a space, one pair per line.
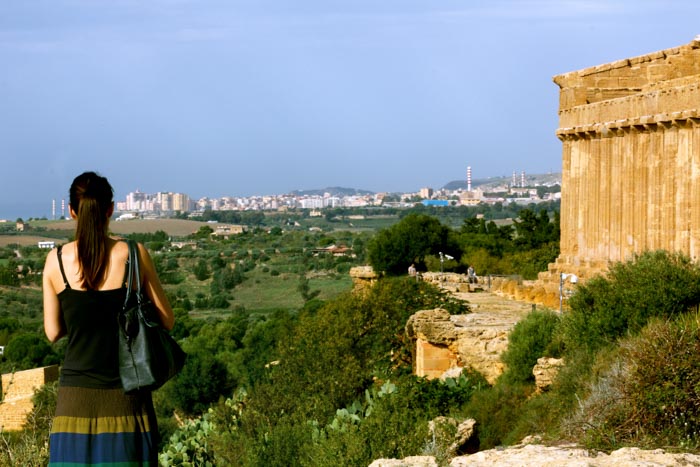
90, 317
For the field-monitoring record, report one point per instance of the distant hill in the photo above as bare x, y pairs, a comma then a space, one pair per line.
530, 180
334, 191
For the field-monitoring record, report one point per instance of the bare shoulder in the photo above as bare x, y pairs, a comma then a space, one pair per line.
51, 260
118, 249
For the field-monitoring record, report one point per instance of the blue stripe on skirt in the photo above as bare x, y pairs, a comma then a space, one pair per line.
102, 448
104, 427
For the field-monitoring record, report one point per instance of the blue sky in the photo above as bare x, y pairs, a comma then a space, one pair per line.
237, 97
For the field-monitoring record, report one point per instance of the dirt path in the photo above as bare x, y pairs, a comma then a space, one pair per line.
493, 303
491, 311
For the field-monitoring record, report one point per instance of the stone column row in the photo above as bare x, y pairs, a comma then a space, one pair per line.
630, 189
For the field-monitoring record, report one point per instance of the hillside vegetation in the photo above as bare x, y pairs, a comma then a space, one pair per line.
340, 391
312, 374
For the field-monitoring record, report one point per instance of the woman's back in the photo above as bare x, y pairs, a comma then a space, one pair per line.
91, 320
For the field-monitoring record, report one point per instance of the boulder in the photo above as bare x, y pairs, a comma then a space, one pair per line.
545, 371
466, 439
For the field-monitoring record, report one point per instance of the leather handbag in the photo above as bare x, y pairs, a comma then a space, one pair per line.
148, 355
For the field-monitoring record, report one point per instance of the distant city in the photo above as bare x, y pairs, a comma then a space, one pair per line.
520, 188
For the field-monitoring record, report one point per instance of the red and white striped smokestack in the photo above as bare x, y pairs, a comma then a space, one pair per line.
63, 208
469, 179
522, 179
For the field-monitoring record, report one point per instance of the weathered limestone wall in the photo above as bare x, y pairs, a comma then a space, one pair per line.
17, 391
444, 342
630, 132
432, 360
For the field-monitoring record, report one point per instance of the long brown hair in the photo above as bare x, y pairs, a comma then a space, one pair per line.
91, 198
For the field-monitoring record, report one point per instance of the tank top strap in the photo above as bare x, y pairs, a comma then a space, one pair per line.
60, 265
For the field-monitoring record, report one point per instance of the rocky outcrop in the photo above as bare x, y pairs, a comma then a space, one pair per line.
363, 277
476, 340
537, 455
465, 437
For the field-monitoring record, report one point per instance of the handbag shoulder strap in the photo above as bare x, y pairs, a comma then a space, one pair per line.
134, 272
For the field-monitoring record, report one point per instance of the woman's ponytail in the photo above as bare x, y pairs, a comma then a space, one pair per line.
91, 200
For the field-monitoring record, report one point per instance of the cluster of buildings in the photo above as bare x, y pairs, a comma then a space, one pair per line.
517, 190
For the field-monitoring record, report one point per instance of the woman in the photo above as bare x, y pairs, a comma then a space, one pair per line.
84, 290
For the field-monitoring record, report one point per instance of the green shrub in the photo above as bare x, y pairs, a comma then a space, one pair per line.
394, 428
496, 410
649, 393
608, 307
189, 445
528, 341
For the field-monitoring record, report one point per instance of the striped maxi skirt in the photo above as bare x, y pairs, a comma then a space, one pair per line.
103, 427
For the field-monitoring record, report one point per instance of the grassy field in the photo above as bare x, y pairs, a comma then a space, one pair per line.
272, 283
263, 292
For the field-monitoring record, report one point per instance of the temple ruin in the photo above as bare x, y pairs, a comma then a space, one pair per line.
630, 132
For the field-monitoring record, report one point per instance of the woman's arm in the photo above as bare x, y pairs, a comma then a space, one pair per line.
54, 326
154, 289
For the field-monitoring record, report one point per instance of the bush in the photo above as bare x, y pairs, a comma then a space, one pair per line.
189, 444
331, 355
527, 342
497, 410
649, 393
606, 308
387, 424
202, 381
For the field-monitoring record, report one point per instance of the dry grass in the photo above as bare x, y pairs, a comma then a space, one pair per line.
174, 227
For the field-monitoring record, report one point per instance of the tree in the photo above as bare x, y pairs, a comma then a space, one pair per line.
202, 381
204, 232
201, 270
8, 275
534, 230
226, 279
417, 235
29, 351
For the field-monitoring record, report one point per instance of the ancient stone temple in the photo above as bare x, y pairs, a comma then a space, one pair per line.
630, 132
